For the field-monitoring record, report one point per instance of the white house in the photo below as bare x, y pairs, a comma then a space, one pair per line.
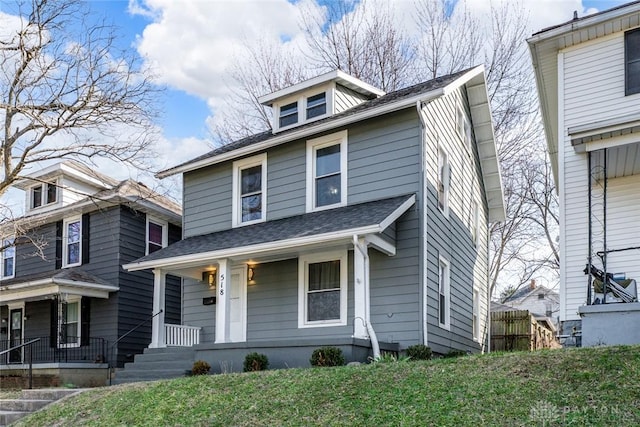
588, 78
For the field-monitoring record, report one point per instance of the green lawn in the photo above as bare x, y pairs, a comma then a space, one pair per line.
580, 387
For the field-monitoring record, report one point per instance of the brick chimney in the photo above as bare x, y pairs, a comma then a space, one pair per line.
532, 284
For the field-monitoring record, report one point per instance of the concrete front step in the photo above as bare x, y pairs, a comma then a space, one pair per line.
157, 364
11, 410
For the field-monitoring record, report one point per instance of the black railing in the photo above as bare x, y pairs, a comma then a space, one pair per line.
46, 351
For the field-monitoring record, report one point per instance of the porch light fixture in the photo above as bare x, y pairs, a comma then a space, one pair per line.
251, 273
209, 277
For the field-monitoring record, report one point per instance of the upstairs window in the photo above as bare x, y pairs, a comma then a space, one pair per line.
327, 171
443, 294
43, 194
475, 221
464, 128
632, 61
157, 235
72, 242
8, 258
249, 190
289, 114
316, 105
443, 181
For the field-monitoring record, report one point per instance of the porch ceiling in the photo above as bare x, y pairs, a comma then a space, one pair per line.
277, 238
623, 160
41, 286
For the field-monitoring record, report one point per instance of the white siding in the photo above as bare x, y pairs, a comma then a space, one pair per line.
592, 86
594, 82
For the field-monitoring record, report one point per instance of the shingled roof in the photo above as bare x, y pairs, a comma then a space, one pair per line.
352, 217
389, 98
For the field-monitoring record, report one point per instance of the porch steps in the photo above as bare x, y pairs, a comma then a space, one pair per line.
30, 401
156, 364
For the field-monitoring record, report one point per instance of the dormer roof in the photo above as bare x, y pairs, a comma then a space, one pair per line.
336, 76
70, 168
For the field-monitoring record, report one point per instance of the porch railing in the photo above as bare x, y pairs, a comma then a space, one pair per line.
44, 351
181, 335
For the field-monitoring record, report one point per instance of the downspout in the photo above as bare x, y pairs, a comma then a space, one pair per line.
423, 157
375, 346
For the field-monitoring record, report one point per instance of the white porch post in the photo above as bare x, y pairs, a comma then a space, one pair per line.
157, 323
360, 288
222, 301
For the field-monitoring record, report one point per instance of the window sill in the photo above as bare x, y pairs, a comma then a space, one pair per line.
322, 324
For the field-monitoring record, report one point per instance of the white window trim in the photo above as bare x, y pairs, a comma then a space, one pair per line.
70, 300
301, 100
464, 128
165, 232
43, 195
447, 293
65, 241
446, 180
313, 145
236, 208
476, 314
303, 286
2, 258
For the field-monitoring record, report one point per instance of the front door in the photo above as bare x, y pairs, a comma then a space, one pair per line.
15, 334
238, 306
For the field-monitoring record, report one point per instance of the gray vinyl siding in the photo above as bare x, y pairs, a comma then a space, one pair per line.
38, 314
207, 199
195, 313
28, 261
384, 157
450, 237
286, 169
346, 98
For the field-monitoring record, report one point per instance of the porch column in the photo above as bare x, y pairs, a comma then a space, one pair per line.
360, 288
222, 301
157, 323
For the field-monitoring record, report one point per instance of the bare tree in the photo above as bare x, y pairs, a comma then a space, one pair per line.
363, 41
65, 78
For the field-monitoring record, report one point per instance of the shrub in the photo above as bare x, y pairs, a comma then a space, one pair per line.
255, 362
455, 353
327, 356
200, 367
419, 352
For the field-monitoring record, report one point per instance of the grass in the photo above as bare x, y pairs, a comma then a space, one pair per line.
581, 387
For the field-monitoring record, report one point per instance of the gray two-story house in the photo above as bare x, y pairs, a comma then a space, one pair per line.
61, 281
359, 220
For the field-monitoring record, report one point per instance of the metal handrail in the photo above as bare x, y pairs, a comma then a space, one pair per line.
124, 335
27, 344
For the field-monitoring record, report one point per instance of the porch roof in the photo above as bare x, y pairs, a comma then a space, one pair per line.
326, 226
71, 281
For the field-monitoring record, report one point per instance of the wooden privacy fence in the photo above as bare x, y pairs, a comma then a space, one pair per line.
519, 330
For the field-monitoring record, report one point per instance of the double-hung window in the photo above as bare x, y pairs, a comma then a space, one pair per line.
8, 258
249, 191
43, 194
443, 181
72, 242
464, 128
322, 289
70, 323
316, 105
157, 234
327, 171
289, 114
475, 221
443, 294
632, 61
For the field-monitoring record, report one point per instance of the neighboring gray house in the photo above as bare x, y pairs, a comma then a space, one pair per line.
588, 79
360, 212
60, 275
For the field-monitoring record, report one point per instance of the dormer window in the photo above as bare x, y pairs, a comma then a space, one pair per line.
289, 114
316, 105
43, 194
